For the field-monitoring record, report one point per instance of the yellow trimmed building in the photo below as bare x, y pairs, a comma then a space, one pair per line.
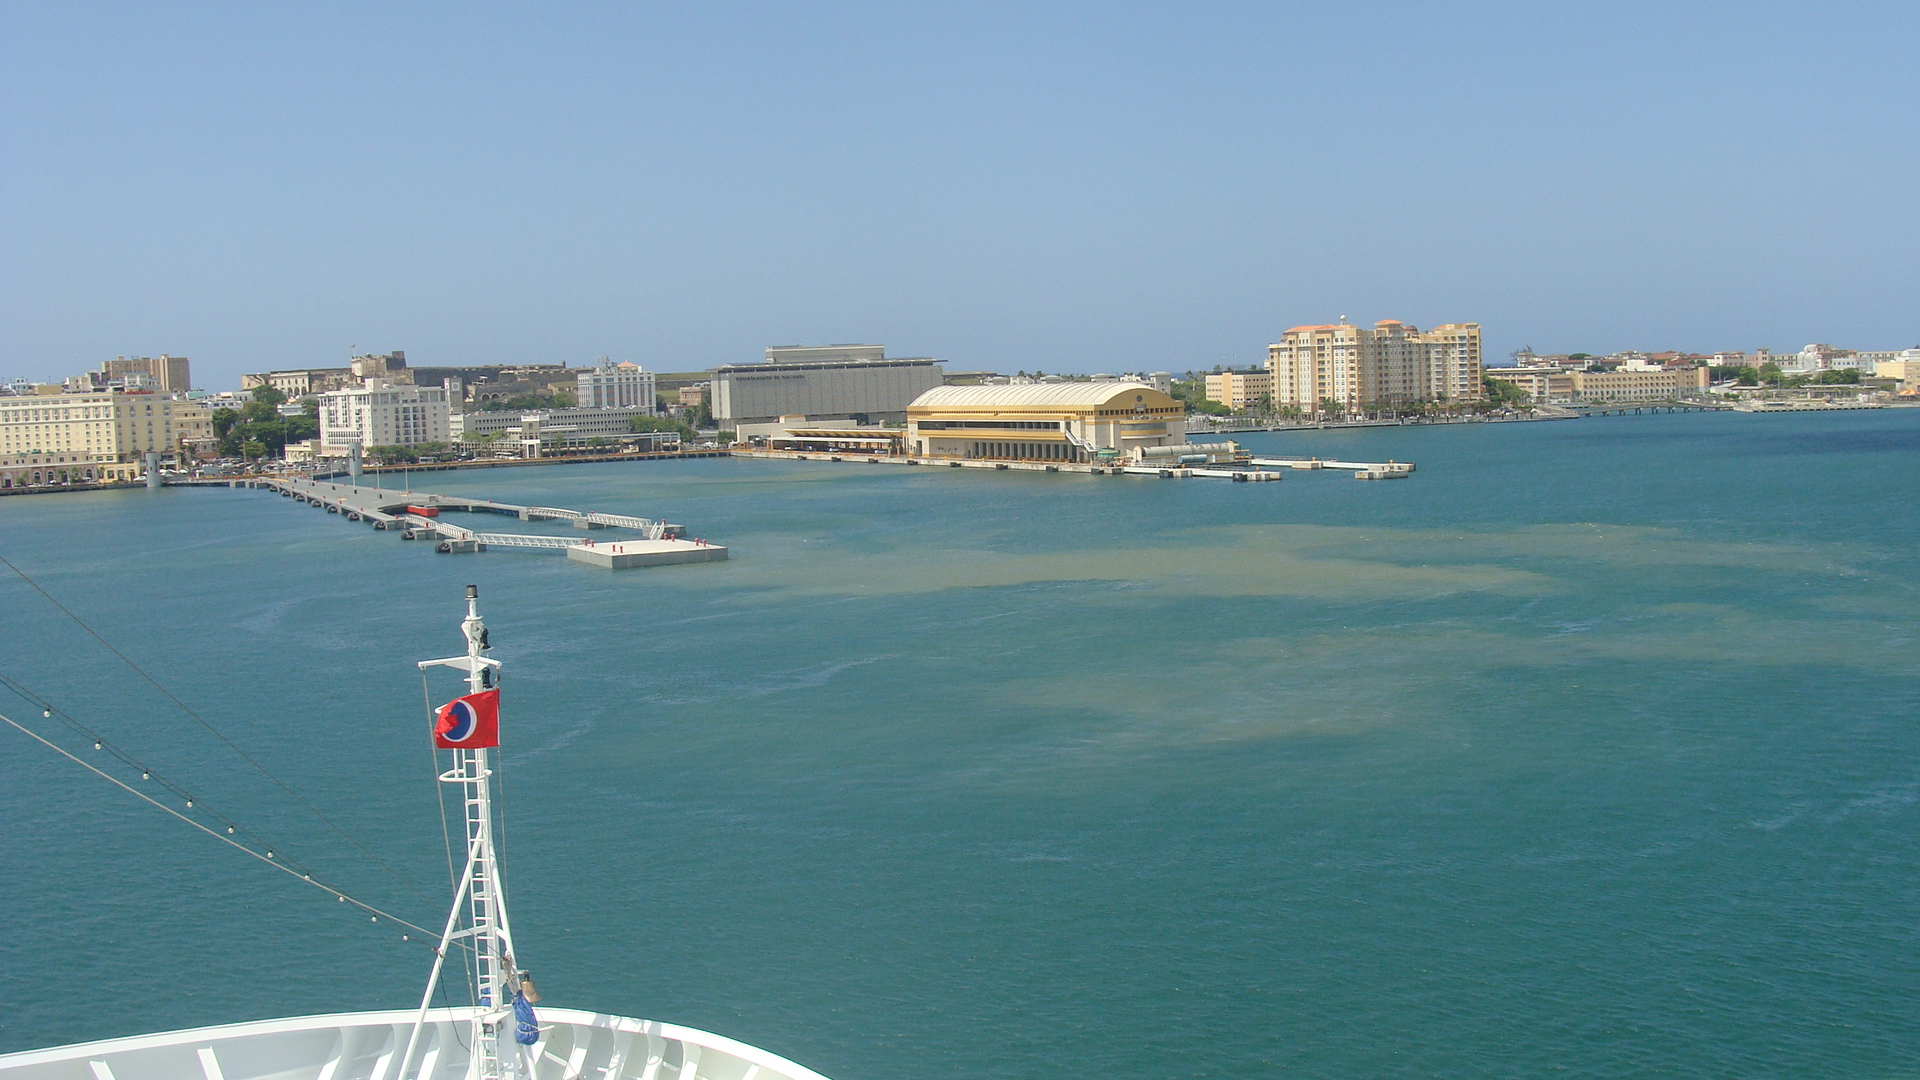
91, 438
1240, 389
1063, 421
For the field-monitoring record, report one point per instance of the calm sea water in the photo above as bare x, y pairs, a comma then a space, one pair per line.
1592, 748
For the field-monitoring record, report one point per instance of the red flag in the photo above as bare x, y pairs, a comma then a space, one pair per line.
469, 722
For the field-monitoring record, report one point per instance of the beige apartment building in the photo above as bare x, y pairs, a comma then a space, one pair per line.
1392, 363
170, 374
1552, 386
1240, 389
84, 438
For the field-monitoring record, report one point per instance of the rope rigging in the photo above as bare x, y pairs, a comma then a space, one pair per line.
267, 856
202, 721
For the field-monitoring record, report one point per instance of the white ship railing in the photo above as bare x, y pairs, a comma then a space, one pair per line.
366, 1046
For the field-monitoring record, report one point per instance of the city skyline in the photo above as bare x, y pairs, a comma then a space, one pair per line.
1070, 189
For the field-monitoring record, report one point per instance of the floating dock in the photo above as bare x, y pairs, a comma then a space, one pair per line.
417, 515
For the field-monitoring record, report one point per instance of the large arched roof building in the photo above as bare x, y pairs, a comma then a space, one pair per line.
1055, 421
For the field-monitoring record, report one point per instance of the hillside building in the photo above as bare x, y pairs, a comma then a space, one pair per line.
615, 386
167, 374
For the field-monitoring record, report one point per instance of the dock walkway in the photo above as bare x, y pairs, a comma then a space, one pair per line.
1261, 470
415, 515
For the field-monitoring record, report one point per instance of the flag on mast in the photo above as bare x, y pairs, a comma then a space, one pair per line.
468, 723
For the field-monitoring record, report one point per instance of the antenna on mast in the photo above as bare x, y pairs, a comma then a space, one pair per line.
469, 727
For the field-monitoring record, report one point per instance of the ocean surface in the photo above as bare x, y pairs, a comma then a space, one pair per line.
1591, 749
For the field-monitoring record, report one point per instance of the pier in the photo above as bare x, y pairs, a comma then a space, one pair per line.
416, 515
1258, 470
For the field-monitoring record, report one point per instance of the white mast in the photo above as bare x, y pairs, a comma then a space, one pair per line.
478, 894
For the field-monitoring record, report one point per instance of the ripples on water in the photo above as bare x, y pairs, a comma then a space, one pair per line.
1590, 748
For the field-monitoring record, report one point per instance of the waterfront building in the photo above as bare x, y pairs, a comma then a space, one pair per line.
1905, 367
382, 413
1393, 363
825, 436
527, 433
823, 382
1553, 386
614, 386
1239, 389
1455, 365
103, 435
1065, 421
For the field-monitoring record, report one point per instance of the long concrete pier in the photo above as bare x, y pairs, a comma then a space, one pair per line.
1260, 470
415, 515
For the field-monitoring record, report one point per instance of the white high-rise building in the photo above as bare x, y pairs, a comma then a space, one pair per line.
382, 414
615, 386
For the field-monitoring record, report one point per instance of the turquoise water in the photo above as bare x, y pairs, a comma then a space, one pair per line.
1591, 748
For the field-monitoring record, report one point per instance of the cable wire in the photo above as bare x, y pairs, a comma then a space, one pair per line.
100, 742
431, 938
439, 791
184, 707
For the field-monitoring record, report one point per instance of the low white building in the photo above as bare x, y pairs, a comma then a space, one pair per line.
527, 432
614, 386
383, 414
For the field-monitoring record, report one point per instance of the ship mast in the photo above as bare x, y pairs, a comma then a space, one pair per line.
478, 895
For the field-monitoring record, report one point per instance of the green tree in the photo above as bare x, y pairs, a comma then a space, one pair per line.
268, 396
1504, 393
253, 449
660, 423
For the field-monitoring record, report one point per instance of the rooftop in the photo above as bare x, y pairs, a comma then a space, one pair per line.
1071, 394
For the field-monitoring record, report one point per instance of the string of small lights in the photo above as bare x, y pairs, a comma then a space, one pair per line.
202, 721
263, 853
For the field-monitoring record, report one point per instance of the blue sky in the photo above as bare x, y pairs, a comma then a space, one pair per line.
1063, 187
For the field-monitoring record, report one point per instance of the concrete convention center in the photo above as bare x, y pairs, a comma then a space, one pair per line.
828, 382
1063, 421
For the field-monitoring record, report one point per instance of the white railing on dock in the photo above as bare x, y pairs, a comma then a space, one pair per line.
654, 530
523, 540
